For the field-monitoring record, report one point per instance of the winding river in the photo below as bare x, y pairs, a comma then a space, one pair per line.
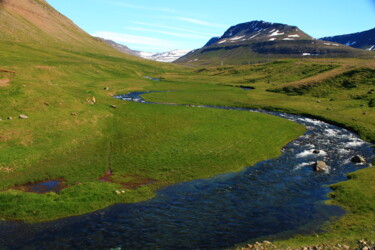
278, 196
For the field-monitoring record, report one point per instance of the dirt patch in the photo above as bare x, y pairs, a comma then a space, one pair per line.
7, 71
106, 177
134, 181
6, 169
43, 187
4, 82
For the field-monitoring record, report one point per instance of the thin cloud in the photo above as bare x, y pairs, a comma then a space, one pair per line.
182, 35
142, 7
200, 22
137, 40
174, 28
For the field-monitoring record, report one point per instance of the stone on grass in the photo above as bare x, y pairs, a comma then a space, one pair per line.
23, 117
106, 88
320, 166
359, 159
10, 118
113, 106
74, 113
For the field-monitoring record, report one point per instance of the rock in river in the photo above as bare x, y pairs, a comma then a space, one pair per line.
320, 166
359, 159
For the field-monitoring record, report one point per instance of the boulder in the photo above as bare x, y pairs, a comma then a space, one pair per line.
10, 118
320, 166
316, 151
23, 117
359, 159
113, 106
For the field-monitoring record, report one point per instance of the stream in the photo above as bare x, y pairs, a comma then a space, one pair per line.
278, 196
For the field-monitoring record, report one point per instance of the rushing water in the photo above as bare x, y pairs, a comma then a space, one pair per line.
274, 196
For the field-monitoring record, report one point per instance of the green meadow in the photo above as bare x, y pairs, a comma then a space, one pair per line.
66, 138
152, 146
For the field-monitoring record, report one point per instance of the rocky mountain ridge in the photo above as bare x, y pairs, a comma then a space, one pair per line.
259, 40
361, 40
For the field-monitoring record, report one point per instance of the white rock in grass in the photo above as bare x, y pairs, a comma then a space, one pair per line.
23, 117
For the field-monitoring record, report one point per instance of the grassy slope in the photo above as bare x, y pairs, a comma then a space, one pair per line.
341, 106
165, 143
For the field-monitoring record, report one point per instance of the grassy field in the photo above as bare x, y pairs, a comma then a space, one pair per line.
67, 138
337, 91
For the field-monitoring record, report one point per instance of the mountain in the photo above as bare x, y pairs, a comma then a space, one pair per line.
361, 40
212, 41
259, 40
168, 56
122, 48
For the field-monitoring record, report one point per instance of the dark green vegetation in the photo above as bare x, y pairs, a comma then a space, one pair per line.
48, 76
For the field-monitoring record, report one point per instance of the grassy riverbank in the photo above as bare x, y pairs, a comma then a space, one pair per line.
151, 146
146, 146
339, 91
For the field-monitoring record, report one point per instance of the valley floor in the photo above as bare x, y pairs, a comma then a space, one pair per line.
77, 132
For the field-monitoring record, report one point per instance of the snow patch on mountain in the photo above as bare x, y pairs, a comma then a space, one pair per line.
277, 33
168, 56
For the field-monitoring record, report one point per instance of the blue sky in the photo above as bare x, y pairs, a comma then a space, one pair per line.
162, 25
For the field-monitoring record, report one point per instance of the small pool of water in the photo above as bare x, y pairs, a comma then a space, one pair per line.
43, 187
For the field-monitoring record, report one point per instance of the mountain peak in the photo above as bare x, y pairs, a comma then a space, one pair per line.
259, 31
260, 40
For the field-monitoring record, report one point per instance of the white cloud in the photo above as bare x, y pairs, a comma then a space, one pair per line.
135, 40
200, 22
182, 35
142, 7
175, 28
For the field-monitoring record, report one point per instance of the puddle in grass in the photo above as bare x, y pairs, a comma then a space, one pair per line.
43, 187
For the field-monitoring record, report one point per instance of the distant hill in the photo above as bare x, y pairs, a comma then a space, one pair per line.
168, 56
259, 40
121, 47
361, 40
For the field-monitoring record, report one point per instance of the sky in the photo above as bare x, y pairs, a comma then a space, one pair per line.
163, 25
